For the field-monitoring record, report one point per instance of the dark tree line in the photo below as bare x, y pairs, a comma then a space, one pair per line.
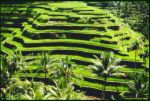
135, 13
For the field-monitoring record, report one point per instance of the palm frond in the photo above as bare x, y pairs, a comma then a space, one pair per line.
119, 74
97, 58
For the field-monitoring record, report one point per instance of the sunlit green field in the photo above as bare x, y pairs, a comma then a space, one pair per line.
67, 29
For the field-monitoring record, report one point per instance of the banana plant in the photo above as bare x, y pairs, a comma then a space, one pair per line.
17, 62
4, 76
26, 90
9, 65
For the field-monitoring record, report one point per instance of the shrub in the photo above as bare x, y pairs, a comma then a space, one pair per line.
83, 20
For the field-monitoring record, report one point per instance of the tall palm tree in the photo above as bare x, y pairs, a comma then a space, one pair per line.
63, 76
139, 85
46, 62
107, 66
145, 54
135, 47
64, 71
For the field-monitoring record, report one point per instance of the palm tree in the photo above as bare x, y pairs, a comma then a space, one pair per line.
145, 54
64, 71
139, 85
63, 78
46, 62
107, 66
68, 93
135, 47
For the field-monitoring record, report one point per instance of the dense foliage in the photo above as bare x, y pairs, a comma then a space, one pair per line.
136, 14
74, 50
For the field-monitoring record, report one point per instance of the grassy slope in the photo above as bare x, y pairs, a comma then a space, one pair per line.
82, 11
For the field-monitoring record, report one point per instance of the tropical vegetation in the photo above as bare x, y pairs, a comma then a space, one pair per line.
74, 50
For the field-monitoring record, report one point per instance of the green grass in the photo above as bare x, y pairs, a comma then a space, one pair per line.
68, 4
81, 83
87, 84
6, 50
147, 62
6, 34
91, 51
13, 9
20, 47
8, 22
85, 71
73, 41
67, 13
11, 17
72, 24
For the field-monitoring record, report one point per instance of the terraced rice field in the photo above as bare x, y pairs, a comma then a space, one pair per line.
73, 29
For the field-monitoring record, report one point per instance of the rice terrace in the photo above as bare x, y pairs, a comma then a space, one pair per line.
74, 50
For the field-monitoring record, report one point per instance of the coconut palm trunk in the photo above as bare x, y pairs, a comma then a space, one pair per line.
136, 45
135, 58
106, 66
126, 11
104, 90
104, 94
45, 71
116, 88
45, 74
